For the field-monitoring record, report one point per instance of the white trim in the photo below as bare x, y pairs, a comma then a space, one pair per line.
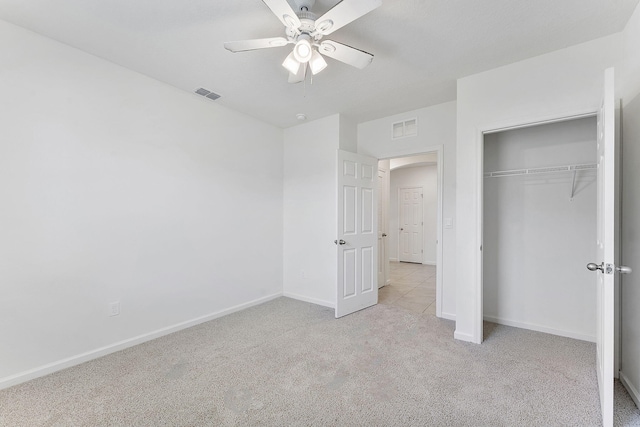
540, 120
121, 345
540, 328
309, 299
478, 330
393, 260
439, 230
448, 316
633, 392
430, 263
464, 337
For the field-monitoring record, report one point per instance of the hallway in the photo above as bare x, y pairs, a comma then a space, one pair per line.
412, 287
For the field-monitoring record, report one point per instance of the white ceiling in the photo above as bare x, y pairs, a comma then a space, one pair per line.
421, 47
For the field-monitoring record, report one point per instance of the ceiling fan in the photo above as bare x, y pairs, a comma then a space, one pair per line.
305, 31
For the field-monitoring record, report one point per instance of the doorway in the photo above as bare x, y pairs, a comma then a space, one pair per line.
411, 249
539, 227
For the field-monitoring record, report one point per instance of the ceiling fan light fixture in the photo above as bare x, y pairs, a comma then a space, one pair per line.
317, 63
327, 47
324, 26
290, 22
292, 64
302, 50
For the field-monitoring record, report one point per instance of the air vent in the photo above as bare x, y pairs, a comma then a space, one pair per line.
207, 93
404, 129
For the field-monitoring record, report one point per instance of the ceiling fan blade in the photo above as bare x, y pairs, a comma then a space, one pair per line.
344, 12
347, 54
241, 46
297, 78
283, 11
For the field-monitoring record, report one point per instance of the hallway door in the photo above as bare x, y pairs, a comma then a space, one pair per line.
411, 225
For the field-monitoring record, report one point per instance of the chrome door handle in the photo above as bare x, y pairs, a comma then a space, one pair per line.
342, 242
623, 269
620, 269
592, 266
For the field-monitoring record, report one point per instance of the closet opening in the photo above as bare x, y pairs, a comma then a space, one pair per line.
539, 227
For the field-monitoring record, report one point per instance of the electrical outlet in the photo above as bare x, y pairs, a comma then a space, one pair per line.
114, 308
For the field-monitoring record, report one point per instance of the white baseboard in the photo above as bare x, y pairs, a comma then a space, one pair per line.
393, 259
463, 337
448, 316
429, 263
539, 328
121, 345
633, 392
309, 299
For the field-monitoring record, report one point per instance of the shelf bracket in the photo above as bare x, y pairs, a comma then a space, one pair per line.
573, 185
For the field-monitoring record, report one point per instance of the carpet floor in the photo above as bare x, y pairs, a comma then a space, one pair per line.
291, 363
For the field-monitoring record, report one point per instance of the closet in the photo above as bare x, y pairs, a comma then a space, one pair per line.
539, 227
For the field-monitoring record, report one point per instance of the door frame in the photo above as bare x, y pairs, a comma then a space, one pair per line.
439, 150
519, 124
383, 202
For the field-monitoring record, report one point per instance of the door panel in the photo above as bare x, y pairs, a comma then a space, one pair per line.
357, 233
411, 226
605, 249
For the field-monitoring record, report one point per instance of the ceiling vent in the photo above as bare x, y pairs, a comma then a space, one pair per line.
207, 93
404, 129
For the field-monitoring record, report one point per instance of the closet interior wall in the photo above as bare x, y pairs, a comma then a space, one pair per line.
537, 238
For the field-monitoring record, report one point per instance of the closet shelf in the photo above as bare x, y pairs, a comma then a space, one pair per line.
531, 171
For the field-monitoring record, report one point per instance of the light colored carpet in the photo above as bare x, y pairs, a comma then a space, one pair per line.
291, 363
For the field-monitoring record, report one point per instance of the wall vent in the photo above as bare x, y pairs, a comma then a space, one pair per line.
404, 129
207, 93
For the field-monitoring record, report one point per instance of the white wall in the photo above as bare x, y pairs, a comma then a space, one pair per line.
536, 239
630, 288
116, 187
310, 218
558, 84
417, 176
437, 127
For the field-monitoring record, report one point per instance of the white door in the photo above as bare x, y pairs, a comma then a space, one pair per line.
605, 249
410, 225
357, 234
383, 259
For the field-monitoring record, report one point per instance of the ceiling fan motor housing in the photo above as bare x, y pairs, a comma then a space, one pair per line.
305, 4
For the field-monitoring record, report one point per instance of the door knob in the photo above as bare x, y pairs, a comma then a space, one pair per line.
384, 234
623, 269
593, 267
401, 229
341, 242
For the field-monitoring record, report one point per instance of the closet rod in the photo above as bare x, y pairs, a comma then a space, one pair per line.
530, 171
